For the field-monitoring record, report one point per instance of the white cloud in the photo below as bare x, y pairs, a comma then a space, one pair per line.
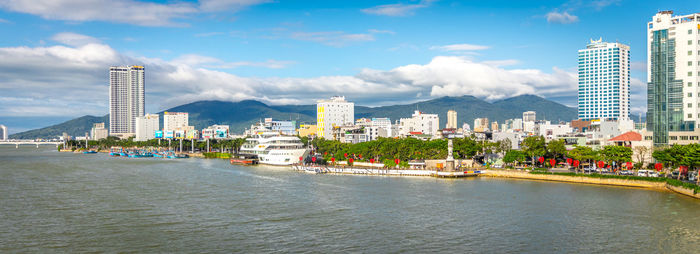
4, 21
396, 10
460, 47
123, 11
73, 39
76, 79
333, 38
561, 17
377, 31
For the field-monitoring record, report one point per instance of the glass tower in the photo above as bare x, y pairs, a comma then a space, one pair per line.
604, 81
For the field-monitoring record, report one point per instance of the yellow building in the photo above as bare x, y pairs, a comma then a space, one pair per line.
306, 130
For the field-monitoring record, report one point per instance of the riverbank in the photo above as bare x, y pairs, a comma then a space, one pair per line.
384, 172
656, 185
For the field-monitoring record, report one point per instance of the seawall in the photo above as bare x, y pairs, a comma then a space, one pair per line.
576, 179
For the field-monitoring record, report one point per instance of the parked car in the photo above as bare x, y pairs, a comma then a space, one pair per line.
692, 176
643, 172
627, 172
653, 174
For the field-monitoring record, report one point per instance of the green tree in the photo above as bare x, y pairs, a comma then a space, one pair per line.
556, 148
514, 156
534, 146
616, 154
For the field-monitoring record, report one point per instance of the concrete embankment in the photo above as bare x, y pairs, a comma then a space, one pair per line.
683, 191
662, 186
575, 179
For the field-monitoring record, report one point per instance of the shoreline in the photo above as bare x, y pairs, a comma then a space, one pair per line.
659, 186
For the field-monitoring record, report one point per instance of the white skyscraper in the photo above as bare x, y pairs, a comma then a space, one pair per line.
451, 119
673, 76
3, 132
175, 121
529, 116
331, 113
604, 81
126, 98
146, 127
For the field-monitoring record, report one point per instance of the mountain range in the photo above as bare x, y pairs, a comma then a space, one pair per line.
240, 115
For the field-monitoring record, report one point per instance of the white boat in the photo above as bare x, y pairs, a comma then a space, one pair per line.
273, 148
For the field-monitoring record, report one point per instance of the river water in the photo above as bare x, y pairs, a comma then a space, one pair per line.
64, 202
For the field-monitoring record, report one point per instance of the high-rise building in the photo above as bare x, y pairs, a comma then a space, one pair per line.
331, 113
604, 81
98, 131
146, 127
529, 116
3, 132
175, 121
126, 98
419, 122
451, 119
673, 76
481, 124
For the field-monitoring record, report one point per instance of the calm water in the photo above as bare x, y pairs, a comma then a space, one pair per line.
66, 202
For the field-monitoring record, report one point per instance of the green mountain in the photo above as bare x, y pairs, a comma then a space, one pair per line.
240, 115
75, 127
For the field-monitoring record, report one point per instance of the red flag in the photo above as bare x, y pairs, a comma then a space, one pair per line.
333, 160
301, 158
350, 161
346, 155
313, 159
569, 160
658, 166
397, 161
629, 165
576, 162
371, 160
601, 164
541, 159
552, 162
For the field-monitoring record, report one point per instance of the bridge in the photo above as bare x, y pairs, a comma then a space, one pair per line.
17, 143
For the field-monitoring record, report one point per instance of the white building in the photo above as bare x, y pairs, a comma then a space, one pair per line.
673, 76
376, 127
146, 127
551, 131
529, 116
126, 98
451, 119
604, 81
98, 131
175, 120
3, 132
419, 122
334, 112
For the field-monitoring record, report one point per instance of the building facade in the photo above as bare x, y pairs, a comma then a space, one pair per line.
331, 113
126, 98
451, 119
175, 120
428, 124
529, 116
98, 131
284, 127
604, 81
3, 133
146, 127
673, 75
481, 124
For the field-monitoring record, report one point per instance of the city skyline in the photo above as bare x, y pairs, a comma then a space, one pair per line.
198, 53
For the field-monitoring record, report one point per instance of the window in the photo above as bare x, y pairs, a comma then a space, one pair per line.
690, 115
690, 52
673, 137
690, 31
690, 63
690, 95
690, 74
690, 84
684, 137
690, 105
690, 42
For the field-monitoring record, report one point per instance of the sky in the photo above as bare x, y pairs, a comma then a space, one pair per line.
55, 54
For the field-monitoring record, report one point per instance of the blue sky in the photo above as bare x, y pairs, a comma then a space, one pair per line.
54, 54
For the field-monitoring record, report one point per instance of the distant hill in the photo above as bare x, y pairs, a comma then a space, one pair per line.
75, 127
240, 115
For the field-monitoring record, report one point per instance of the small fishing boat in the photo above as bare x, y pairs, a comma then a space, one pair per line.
239, 161
89, 152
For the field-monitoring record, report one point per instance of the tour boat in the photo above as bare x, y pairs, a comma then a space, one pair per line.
273, 148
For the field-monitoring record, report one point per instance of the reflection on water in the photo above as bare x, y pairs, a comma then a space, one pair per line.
73, 202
